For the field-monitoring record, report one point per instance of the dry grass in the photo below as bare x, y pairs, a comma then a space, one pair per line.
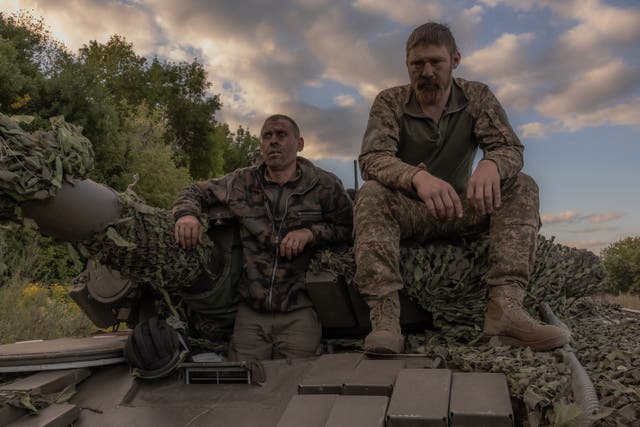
33, 311
625, 300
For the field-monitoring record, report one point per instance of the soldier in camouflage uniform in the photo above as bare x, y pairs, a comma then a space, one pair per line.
286, 207
417, 157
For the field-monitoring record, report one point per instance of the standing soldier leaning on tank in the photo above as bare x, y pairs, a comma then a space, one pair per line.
417, 157
285, 206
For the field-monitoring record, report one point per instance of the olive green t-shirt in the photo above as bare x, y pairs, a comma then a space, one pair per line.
446, 148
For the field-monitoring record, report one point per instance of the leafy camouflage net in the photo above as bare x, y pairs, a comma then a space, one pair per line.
541, 381
447, 280
34, 165
141, 246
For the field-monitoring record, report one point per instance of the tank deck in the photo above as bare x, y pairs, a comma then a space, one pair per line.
331, 390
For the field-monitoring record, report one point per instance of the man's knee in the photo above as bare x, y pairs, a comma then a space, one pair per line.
249, 340
297, 334
372, 195
522, 184
521, 203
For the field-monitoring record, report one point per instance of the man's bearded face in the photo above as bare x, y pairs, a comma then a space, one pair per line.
430, 71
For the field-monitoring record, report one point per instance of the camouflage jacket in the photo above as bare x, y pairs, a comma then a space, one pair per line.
473, 118
318, 202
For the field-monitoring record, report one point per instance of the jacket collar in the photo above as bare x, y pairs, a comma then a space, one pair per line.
306, 177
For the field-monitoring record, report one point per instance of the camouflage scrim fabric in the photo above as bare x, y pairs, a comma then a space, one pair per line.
34, 165
473, 119
448, 279
318, 202
383, 217
141, 246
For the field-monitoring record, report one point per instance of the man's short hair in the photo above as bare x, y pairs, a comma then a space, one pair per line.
275, 117
432, 33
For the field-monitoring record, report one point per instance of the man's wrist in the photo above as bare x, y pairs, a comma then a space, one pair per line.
180, 214
418, 177
313, 235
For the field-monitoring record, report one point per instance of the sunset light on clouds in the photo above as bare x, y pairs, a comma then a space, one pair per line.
567, 73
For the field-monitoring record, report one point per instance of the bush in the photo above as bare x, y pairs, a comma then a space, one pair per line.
25, 255
622, 262
35, 311
32, 309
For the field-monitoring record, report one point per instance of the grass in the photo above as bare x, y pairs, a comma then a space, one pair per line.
625, 300
29, 310
34, 311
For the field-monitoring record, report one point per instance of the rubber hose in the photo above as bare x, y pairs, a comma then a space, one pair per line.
583, 389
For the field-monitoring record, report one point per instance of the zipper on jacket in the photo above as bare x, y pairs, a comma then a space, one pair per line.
273, 228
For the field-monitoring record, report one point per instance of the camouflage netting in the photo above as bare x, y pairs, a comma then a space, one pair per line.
447, 280
141, 246
607, 345
34, 165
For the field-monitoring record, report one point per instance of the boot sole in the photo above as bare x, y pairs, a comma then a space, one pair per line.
543, 345
380, 351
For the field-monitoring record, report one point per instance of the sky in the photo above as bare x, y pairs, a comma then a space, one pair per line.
566, 71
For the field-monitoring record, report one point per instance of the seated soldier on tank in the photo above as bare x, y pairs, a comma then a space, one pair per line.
285, 207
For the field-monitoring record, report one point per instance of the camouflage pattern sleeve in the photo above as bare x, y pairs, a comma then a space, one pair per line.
497, 139
337, 216
378, 159
197, 198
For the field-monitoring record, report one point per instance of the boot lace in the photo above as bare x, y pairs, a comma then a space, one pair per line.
386, 312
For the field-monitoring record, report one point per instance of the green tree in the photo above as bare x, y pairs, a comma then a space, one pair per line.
151, 160
103, 86
240, 148
28, 55
622, 262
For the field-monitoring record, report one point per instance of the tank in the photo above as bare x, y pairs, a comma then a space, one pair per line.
85, 382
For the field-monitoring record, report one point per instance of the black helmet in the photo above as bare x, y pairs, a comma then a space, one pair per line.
154, 349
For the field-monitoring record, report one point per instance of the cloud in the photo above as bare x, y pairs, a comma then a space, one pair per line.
71, 21
594, 230
594, 88
408, 12
601, 24
504, 57
521, 5
473, 14
505, 64
567, 216
590, 244
352, 56
577, 71
533, 130
622, 114
344, 100
573, 216
605, 217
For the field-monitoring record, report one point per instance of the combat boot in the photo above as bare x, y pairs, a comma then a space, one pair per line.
506, 318
385, 336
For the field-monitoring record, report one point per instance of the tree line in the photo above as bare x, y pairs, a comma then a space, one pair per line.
144, 116
151, 117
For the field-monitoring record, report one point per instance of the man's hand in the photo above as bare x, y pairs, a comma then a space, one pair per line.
441, 199
294, 242
187, 231
483, 190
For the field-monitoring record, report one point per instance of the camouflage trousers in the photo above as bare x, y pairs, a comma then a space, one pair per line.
384, 217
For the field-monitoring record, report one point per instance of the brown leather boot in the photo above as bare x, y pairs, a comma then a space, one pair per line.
507, 319
385, 336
